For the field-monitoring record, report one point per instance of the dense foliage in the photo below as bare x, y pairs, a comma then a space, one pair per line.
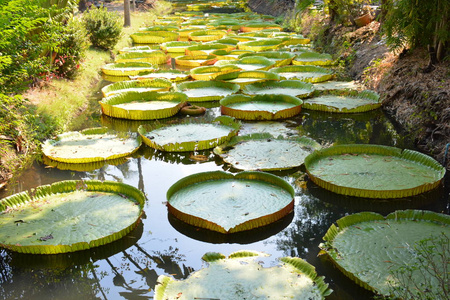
104, 27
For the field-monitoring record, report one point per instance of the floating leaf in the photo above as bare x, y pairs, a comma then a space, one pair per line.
261, 107
126, 69
246, 77
154, 37
230, 203
264, 152
191, 136
90, 145
155, 85
294, 88
172, 75
240, 277
304, 73
69, 216
211, 72
368, 248
156, 57
312, 58
362, 102
373, 171
207, 90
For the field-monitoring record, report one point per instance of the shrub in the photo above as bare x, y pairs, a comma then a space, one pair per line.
72, 49
104, 27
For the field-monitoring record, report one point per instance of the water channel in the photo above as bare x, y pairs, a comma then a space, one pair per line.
128, 268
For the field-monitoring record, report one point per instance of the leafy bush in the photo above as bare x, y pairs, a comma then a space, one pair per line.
72, 49
104, 27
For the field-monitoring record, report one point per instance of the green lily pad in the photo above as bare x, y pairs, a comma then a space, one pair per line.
154, 37
195, 60
261, 107
240, 277
294, 88
249, 63
90, 145
190, 136
338, 86
279, 58
143, 105
362, 102
369, 248
246, 77
69, 216
229, 54
135, 49
373, 171
207, 90
126, 69
266, 153
156, 57
257, 26
304, 73
205, 49
260, 45
177, 46
172, 75
211, 72
155, 85
206, 35
312, 58
230, 203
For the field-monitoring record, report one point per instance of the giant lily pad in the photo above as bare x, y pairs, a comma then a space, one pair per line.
373, 171
207, 90
230, 203
312, 58
211, 72
304, 73
294, 88
154, 37
364, 101
195, 60
229, 54
143, 105
261, 107
206, 35
261, 45
190, 136
172, 75
176, 46
155, 84
246, 77
257, 26
279, 58
126, 69
369, 249
249, 63
264, 152
156, 57
240, 277
90, 145
69, 216
205, 49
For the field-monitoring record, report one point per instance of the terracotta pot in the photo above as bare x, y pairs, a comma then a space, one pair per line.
363, 20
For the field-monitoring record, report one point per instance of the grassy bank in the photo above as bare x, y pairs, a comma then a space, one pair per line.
52, 106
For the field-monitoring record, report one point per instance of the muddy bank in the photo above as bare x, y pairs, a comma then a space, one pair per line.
419, 101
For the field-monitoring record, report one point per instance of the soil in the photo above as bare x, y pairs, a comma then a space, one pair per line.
419, 101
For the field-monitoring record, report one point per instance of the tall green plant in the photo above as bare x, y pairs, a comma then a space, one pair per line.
418, 23
104, 27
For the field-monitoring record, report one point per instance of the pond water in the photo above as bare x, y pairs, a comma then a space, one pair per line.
128, 268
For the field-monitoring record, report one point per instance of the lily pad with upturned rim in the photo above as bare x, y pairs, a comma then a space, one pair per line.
312, 58
373, 171
206, 49
172, 75
280, 58
304, 73
368, 248
247, 77
177, 46
206, 35
361, 102
69, 216
210, 90
261, 45
126, 69
265, 152
143, 105
191, 136
261, 107
154, 85
90, 145
195, 60
240, 277
154, 37
294, 88
211, 72
230, 203
156, 57
249, 63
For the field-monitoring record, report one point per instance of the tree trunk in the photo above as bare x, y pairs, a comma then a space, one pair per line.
126, 13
